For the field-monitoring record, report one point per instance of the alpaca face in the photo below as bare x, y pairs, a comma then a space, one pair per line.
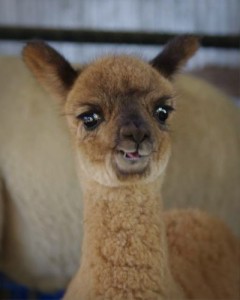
119, 111
118, 108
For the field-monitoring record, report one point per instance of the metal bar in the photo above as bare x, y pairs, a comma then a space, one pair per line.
109, 37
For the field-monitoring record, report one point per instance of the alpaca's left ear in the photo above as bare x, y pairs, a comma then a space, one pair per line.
175, 54
50, 68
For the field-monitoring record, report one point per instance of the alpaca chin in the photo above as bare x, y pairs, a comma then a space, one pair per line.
111, 176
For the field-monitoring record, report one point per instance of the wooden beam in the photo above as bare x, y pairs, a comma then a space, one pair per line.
110, 37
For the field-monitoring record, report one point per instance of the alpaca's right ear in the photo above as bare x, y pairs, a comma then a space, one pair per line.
175, 54
50, 68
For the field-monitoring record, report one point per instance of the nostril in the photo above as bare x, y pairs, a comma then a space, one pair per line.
137, 134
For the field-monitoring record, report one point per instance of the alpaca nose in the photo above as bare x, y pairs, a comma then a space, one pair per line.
135, 130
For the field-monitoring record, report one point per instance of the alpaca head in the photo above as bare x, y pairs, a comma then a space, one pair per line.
118, 108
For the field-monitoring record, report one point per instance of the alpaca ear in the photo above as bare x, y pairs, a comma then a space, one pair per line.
50, 68
175, 54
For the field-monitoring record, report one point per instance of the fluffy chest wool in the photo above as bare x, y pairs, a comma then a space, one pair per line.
124, 249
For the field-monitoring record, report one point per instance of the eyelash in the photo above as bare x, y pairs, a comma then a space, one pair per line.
162, 112
91, 119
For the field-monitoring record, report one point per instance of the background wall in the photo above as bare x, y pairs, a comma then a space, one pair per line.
174, 16
210, 16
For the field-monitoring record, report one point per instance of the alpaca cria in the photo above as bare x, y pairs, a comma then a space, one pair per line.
119, 110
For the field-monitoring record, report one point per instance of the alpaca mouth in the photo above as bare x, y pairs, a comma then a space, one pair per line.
131, 161
131, 156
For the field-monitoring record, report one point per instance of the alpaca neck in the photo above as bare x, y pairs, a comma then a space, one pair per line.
124, 249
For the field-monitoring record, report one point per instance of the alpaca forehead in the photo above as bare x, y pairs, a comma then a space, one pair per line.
121, 67
123, 76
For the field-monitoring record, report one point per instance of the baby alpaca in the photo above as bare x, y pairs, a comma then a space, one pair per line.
119, 110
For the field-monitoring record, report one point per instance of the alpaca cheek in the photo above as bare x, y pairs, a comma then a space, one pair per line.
161, 157
97, 169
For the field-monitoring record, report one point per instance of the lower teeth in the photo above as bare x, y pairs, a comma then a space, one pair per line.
130, 156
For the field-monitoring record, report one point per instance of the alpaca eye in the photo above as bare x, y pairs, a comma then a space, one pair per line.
162, 112
90, 119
